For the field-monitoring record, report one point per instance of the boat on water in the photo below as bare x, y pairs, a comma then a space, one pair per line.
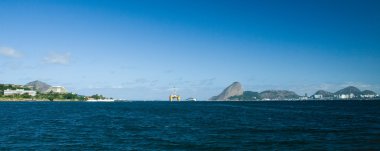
191, 99
100, 100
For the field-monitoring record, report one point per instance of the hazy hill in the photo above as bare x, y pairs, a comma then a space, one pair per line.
235, 89
278, 94
324, 93
269, 94
349, 90
246, 96
368, 92
38, 86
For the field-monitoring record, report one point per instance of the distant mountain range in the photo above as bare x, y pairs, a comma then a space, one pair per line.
350, 90
235, 92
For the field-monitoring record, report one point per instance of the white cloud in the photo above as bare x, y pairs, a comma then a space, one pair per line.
9, 52
56, 58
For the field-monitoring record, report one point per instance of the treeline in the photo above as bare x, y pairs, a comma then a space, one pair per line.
46, 96
59, 96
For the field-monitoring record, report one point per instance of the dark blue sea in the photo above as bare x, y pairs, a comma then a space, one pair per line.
321, 125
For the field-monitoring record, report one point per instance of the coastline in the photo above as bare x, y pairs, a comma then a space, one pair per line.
67, 100
36, 100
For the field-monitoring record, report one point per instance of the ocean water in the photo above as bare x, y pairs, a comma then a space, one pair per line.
322, 125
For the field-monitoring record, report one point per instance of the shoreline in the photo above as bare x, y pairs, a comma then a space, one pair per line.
45, 100
36, 100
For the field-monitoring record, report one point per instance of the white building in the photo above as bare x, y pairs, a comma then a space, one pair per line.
368, 96
57, 89
303, 98
346, 96
20, 92
318, 96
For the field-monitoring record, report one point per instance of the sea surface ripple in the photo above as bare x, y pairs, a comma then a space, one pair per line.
201, 125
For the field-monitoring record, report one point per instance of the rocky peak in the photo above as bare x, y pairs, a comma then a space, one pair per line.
38, 86
349, 90
324, 93
235, 89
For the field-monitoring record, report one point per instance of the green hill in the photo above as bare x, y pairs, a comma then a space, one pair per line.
246, 96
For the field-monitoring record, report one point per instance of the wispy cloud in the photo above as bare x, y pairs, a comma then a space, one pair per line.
207, 82
57, 58
9, 52
333, 87
169, 71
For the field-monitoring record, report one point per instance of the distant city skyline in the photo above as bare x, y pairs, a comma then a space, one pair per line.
141, 49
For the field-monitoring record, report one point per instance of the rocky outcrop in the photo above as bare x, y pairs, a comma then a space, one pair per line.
38, 86
235, 89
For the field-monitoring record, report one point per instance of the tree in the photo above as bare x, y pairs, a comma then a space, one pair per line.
97, 97
51, 96
26, 96
69, 96
81, 98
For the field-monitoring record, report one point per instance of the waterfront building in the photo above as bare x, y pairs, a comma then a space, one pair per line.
57, 89
368, 96
318, 96
346, 96
303, 98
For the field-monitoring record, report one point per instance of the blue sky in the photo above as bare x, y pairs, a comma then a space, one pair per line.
140, 49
